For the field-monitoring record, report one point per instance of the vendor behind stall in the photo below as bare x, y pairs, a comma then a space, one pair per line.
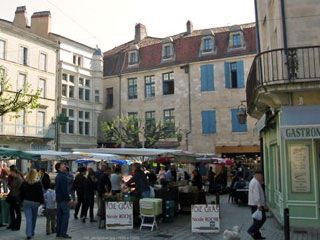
140, 181
197, 179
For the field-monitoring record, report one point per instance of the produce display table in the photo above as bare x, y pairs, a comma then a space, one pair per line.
4, 212
169, 194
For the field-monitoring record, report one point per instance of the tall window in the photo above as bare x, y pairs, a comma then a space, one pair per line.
97, 96
168, 83
87, 123
132, 88
76, 60
20, 122
43, 61
81, 88
71, 121
24, 55
234, 80
150, 119
64, 89
87, 90
236, 40
207, 44
68, 86
109, 99
42, 86
207, 77
133, 58
40, 122
71, 91
81, 121
236, 126
149, 86
167, 52
21, 81
234, 74
169, 120
2, 49
69, 126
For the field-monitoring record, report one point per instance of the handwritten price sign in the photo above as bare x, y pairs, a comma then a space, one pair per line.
205, 218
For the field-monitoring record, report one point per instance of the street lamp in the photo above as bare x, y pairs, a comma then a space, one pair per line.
61, 119
242, 113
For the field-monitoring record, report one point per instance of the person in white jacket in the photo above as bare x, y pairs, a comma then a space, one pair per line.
51, 209
257, 201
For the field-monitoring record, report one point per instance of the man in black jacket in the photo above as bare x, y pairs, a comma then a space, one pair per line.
140, 181
78, 186
45, 179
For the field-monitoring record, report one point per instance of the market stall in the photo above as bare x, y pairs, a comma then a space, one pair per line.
4, 210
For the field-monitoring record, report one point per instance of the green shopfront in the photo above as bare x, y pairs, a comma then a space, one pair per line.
291, 153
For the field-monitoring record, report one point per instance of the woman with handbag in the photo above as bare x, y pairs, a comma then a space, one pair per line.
13, 199
32, 197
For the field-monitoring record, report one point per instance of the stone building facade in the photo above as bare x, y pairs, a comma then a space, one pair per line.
283, 93
194, 79
27, 58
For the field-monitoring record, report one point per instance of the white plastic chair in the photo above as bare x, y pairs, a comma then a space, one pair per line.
148, 206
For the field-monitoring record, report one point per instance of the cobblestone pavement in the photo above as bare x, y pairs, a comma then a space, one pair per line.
231, 215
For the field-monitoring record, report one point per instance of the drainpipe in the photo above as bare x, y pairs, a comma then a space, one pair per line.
58, 95
187, 70
120, 77
285, 43
257, 26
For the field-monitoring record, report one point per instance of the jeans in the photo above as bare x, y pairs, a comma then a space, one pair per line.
51, 220
145, 194
31, 212
15, 214
63, 213
5, 185
255, 227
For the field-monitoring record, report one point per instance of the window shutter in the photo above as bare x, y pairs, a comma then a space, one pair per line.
240, 74
227, 74
21, 55
210, 77
235, 127
204, 122
204, 85
208, 121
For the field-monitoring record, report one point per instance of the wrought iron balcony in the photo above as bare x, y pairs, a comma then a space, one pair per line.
11, 129
282, 66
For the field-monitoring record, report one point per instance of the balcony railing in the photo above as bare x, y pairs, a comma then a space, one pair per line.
283, 66
12, 129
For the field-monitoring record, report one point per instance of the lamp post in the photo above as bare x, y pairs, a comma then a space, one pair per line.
61, 119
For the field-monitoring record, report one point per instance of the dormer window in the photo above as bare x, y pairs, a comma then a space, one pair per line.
133, 56
236, 40
207, 45
167, 49
167, 52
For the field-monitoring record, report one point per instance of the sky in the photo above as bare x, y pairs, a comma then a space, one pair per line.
109, 23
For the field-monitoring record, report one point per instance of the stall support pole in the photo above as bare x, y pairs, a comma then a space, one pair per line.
217, 199
286, 224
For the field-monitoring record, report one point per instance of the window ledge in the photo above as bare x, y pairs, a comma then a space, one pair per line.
240, 133
232, 48
203, 53
149, 98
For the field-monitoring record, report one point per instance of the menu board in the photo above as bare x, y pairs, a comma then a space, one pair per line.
205, 218
300, 168
119, 215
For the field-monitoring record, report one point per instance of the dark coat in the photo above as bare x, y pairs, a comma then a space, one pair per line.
45, 180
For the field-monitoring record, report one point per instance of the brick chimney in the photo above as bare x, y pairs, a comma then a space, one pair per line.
189, 27
41, 23
20, 19
140, 32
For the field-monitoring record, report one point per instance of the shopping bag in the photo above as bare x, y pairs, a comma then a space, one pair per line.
257, 215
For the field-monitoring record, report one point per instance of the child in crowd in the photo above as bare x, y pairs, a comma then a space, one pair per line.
51, 209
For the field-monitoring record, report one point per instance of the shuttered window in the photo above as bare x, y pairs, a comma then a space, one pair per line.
234, 74
236, 126
207, 77
208, 121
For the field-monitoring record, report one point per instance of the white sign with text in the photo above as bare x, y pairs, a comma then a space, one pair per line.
119, 215
205, 218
